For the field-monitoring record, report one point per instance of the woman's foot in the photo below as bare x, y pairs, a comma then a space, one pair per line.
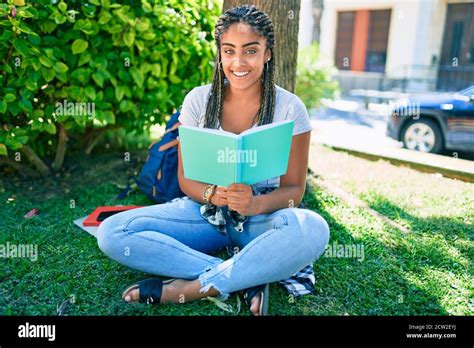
177, 291
255, 305
257, 298
182, 291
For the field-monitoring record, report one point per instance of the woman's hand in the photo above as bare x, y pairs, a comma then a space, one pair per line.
240, 198
219, 197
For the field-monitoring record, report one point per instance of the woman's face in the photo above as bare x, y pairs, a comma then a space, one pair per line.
243, 55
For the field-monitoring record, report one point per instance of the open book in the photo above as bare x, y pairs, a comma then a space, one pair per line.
223, 158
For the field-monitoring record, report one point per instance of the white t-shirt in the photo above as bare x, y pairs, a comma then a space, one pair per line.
287, 107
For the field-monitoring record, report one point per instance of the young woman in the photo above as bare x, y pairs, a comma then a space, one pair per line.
275, 241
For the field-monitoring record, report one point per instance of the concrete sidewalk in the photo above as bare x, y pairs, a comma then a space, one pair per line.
345, 125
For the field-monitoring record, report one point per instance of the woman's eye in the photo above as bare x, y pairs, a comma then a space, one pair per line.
248, 51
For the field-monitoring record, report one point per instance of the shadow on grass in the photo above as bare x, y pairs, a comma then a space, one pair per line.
72, 276
71, 266
375, 286
436, 242
428, 234
449, 228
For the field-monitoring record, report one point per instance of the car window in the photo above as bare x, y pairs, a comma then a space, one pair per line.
467, 92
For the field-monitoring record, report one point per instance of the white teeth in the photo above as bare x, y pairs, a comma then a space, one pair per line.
240, 74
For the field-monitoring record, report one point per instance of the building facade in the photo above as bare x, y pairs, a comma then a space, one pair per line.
406, 45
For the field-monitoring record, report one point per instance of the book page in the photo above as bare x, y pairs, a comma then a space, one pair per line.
265, 154
208, 157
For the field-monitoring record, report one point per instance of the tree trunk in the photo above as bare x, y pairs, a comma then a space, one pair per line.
35, 160
93, 135
61, 148
285, 16
21, 169
93, 142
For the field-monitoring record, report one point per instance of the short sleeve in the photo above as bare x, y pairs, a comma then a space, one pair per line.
189, 115
296, 111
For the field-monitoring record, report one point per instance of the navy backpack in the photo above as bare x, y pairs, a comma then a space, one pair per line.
158, 178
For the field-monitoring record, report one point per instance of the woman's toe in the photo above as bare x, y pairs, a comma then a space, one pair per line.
132, 296
255, 305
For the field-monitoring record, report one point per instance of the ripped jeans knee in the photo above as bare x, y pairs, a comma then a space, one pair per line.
206, 281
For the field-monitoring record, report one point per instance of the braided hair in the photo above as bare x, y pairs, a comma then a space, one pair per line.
262, 25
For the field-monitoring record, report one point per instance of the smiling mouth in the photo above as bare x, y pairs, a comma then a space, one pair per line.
240, 73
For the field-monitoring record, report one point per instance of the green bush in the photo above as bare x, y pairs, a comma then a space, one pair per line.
71, 70
314, 77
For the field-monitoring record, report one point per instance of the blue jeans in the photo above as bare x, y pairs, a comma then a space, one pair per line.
174, 240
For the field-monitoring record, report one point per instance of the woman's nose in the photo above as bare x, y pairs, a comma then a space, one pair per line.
238, 62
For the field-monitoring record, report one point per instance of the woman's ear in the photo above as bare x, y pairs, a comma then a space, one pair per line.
268, 55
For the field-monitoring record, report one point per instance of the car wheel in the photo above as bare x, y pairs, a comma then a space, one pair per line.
422, 135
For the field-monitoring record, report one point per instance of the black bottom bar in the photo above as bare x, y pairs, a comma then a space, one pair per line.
427, 331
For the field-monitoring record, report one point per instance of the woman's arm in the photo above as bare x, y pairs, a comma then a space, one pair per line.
193, 189
293, 183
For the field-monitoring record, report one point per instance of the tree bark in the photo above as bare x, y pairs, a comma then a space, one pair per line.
61, 148
21, 169
35, 160
93, 135
93, 142
285, 16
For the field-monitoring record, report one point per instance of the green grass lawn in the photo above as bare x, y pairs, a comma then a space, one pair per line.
425, 272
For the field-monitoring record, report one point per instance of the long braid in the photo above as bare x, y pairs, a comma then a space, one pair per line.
262, 24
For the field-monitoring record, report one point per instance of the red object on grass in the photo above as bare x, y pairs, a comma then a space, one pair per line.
31, 213
101, 213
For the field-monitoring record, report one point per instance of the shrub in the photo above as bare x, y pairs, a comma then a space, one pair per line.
314, 77
72, 70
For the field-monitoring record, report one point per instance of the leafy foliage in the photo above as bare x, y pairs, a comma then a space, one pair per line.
133, 62
314, 77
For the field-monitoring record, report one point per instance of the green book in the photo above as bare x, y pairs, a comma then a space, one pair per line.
223, 158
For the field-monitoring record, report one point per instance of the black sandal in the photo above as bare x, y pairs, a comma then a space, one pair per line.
149, 290
250, 293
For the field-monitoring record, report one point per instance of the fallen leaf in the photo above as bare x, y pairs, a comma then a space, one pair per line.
220, 304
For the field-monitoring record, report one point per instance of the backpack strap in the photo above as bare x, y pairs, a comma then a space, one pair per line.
131, 186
